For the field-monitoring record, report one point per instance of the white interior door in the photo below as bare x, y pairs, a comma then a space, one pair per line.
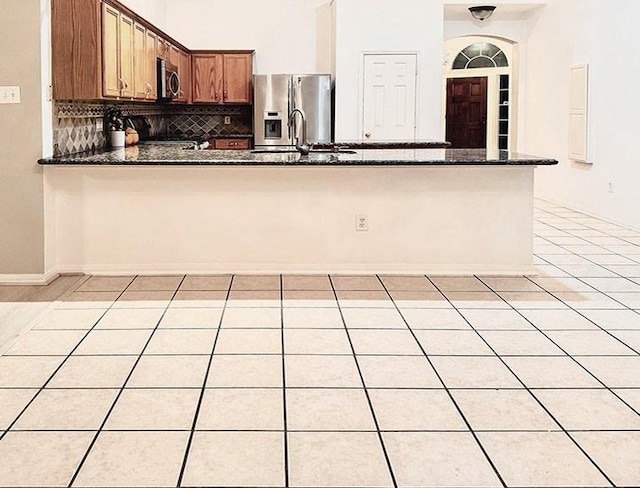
389, 97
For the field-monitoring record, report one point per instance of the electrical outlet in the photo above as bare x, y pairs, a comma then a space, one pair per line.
362, 223
610, 187
9, 94
99, 125
227, 120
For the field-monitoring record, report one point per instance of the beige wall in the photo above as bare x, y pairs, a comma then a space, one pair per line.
21, 186
284, 33
155, 11
605, 36
410, 26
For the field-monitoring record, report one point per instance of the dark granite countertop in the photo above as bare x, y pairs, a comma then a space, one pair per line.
385, 145
178, 155
232, 136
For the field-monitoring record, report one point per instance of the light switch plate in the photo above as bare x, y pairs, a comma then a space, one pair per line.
9, 94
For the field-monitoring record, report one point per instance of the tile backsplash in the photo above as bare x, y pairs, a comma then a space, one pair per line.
209, 121
75, 126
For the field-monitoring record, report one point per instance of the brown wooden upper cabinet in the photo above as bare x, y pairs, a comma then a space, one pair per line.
150, 59
164, 47
117, 47
103, 50
182, 60
76, 49
144, 57
222, 77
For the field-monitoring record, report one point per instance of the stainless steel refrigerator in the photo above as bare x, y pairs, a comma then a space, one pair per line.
275, 96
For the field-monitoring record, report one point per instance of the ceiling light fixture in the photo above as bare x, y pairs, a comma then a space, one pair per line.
482, 12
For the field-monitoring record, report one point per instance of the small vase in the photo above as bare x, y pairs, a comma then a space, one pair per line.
116, 138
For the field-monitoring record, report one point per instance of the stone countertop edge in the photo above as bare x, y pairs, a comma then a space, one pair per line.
384, 145
232, 136
151, 155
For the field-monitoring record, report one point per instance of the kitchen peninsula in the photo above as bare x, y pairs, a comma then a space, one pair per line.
158, 209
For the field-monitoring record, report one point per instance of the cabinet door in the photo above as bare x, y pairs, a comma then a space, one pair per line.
174, 55
181, 60
140, 61
151, 65
184, 70
207, 78
163, 48
126, 56
76, 59
238, 72
110, 51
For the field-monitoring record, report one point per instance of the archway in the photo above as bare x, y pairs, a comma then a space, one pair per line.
474, 63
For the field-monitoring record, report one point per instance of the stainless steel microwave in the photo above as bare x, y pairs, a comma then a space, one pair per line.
168, 80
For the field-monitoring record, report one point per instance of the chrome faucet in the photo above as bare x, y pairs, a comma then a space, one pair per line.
303, 148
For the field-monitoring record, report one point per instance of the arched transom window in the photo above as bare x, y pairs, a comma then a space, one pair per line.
480, 55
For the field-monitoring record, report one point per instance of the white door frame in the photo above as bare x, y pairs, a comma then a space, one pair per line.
510, 48
361, 78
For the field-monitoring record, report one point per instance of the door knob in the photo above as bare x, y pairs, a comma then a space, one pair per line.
368, 135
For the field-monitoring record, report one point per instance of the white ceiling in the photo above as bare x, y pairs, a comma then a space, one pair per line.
511, 11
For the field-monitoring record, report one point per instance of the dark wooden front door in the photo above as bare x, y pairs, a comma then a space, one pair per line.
467, 112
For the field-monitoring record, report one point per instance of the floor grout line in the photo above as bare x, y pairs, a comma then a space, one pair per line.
284, 388
56, 370
119, 394
203, 390
541, 404
366, 392
446, 389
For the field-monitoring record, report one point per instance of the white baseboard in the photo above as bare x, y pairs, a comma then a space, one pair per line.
290, 268
28, 279
587, 212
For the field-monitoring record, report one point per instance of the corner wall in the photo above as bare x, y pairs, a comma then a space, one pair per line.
21, 181
602, 34
155, 11
378, 26
284, 33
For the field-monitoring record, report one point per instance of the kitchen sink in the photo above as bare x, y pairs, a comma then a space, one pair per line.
293, 151
274, 151
332, 151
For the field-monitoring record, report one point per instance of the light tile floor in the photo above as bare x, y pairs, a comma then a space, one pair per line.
340, 381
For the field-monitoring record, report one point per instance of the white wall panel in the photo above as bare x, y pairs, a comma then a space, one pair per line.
297, 219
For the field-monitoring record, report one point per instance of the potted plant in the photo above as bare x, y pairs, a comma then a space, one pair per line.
114, 123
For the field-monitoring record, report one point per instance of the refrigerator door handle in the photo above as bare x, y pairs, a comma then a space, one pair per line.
294, 94
289, 108
293, 129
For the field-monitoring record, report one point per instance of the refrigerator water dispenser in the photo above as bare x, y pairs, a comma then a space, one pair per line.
273, 125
